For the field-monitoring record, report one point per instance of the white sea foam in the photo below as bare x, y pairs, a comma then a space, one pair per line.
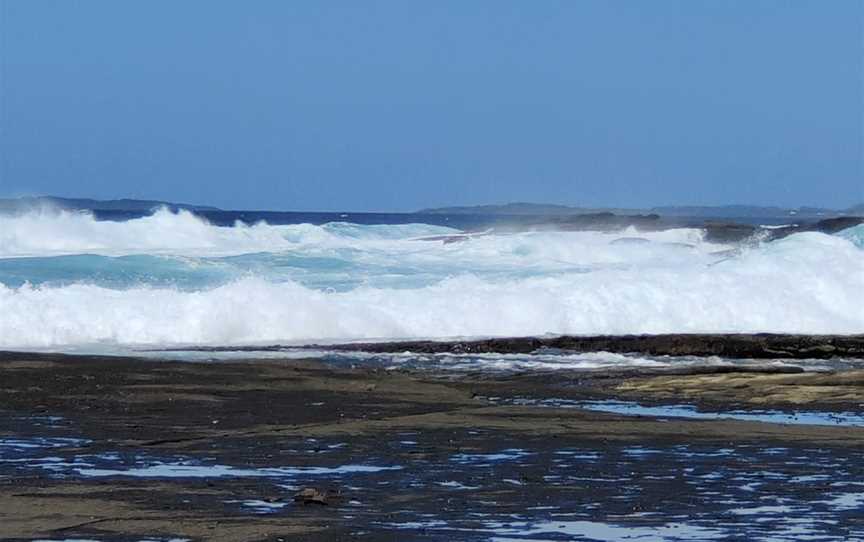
344, 281
51, 232
809, 283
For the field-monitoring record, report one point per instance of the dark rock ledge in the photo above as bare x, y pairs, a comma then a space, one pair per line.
760, 346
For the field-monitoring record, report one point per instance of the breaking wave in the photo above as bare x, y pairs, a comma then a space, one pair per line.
49, 232
171, 278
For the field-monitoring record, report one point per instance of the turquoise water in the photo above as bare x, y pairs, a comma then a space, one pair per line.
67, 280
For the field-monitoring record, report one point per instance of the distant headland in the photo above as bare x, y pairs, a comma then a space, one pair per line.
515, 209
719, 211
87, 204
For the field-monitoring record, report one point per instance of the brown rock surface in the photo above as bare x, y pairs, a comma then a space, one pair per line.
840, 388
261, 414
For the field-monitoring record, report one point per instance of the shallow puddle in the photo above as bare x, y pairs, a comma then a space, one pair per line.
630, 408
22, 444
260, 506
142, 466
847, 419
183, 470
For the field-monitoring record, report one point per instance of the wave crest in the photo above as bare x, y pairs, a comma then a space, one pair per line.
305, 283
51, 232
804, 284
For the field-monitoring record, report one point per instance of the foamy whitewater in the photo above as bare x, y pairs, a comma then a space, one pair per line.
68, 280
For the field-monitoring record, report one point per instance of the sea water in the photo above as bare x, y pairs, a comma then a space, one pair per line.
68, 280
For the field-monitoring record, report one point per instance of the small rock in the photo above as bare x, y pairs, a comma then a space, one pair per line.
311, 495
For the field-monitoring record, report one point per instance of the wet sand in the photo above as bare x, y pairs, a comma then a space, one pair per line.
110, 448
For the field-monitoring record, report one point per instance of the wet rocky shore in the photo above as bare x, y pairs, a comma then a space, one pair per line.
123, 448
727, 345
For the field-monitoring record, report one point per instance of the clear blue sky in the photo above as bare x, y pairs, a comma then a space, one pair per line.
397, 105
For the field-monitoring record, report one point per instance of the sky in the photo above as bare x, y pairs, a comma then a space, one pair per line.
406, 104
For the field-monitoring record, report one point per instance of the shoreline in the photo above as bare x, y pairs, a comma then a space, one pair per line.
728, 345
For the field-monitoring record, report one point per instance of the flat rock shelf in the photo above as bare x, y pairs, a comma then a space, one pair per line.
123, 448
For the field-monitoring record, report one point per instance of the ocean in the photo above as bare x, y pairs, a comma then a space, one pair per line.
200, 436
72, 281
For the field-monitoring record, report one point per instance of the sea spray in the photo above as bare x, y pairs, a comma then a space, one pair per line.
48, 232
172, 278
